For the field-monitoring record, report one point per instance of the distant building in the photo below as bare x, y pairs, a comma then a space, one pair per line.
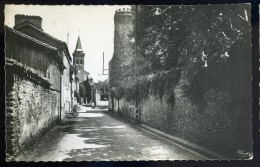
101, 94
78, 71
37, 81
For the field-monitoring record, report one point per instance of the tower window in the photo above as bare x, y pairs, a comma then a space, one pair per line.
81, 62
77, 61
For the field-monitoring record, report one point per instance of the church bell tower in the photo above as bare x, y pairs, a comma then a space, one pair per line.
78, 61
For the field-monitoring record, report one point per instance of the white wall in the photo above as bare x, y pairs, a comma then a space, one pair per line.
66, 87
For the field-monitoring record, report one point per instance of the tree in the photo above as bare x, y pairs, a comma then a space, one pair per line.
104, 90
76, 94
87, 90
82, 91
119, 94
197, 39
112, 95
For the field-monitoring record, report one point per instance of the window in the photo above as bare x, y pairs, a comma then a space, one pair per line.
77, 61
81, 62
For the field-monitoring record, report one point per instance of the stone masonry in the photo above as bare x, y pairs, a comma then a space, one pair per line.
30, 110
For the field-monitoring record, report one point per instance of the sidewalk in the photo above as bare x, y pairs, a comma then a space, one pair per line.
175, 140
184, 143
90, 109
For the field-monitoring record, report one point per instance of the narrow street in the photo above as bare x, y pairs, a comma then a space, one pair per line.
95, 136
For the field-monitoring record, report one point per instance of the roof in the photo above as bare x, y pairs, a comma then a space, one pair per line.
25, 25
34, 41
78, 46
30, 38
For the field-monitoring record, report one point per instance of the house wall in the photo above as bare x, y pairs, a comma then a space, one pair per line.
38, 59
66, 87
98, 99
32, 92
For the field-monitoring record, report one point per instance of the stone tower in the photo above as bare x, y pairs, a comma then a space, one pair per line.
78, 60
124, 49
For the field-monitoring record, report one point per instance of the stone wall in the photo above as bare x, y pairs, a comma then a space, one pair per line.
30, 110
218, 122
220, 125
154, 112
124, 50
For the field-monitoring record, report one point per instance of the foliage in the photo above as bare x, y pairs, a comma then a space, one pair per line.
119, 93
204, 42
104, 86
82, 91
104, 90
113, 92
171, 36
207, 45
129, 93
76, 94
161, 84
75, 108
88, 89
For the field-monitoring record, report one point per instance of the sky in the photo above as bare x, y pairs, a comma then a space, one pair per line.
94, 25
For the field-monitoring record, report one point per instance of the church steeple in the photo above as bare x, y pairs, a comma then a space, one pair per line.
78, 60
78, 46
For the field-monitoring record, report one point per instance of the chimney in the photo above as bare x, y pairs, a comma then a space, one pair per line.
34, 20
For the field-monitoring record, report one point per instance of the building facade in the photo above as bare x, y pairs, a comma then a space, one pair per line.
36, 81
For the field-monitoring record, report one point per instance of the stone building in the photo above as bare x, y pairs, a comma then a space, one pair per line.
124, 50
37, 82
123, 45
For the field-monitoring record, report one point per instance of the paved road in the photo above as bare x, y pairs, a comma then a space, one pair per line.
96, 136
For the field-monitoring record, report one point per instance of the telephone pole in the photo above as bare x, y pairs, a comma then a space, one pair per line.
103, 68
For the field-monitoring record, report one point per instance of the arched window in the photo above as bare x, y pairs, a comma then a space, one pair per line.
81, 62
77, 61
